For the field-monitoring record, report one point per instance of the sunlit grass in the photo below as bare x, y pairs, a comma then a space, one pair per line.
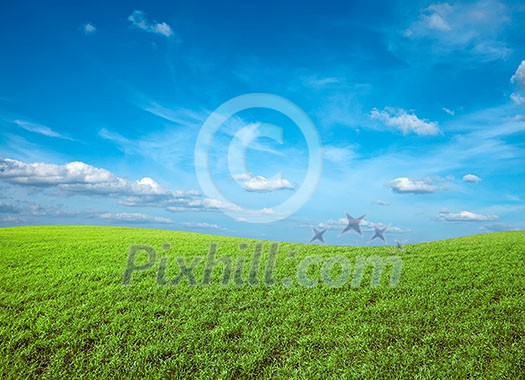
458, 311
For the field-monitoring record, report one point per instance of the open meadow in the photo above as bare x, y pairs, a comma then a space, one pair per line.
458, 310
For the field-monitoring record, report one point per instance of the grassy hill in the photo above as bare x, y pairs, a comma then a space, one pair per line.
458, 310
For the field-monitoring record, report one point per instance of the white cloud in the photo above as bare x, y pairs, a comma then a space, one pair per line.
149, 183
162, 28
405, 122
471, 178
83, 179
78, 177
135, 218
138, 20
208, 203
414, 186
203, 225
37, 174
518, 78
448, 111
436, 19
519, 75
89, 28
40, 129
261, 184
518, 99
472, 27
464, 216
382, 203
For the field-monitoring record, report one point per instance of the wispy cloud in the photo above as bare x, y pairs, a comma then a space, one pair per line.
321, 82
89, 29
261, 184
138, 19
471, 178
500, 227
21, 208
237, 212
519, 75
135, 218
405, 122
518, 99
518, 78
472, 27
207, 226
448, 111
204, 204
13, 219
464, 216
40, 129
161, 146
246, 134
404, 185
182, 116
339, 154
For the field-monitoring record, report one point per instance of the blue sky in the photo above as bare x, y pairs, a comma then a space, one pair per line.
419, 107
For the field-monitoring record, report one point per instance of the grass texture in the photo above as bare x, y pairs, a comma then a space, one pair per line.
458, 311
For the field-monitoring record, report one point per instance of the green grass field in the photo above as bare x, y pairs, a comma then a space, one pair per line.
457, 312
